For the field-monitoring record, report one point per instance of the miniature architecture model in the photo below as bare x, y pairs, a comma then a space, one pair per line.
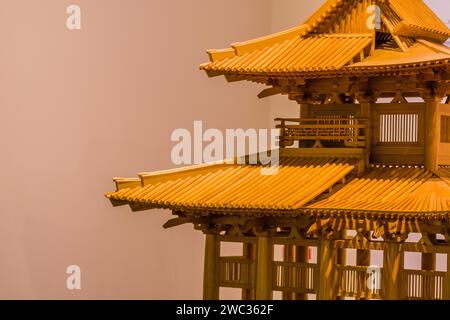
355, 173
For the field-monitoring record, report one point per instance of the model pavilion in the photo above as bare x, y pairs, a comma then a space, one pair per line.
364, 167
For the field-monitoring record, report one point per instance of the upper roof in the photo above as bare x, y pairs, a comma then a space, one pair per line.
338, 38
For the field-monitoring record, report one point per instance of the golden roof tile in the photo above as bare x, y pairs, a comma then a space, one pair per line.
399, 190
329, 44
235, 187
297, 55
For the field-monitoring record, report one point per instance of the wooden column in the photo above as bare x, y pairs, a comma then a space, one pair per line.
392, 271
363, 260
211, 271
363, 256
305, 113
432, 133
341, 260
428, 264
289, 256
326, 259
264, 264
250, 254
366, 113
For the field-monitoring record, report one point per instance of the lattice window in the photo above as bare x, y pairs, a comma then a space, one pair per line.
399, 128
445, 129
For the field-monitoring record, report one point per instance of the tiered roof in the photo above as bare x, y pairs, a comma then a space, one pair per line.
235, 187
303, 185
338, 39
335, 40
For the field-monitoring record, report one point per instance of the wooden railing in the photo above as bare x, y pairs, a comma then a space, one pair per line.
235, 272
295, 277
355, 282
424, 285
349, 131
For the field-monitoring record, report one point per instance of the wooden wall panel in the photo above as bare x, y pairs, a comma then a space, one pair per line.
401, 153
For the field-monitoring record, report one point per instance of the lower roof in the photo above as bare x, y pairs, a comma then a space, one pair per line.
391, 189
235, 187
303, 185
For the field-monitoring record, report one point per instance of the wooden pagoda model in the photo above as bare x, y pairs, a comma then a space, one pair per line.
355, 173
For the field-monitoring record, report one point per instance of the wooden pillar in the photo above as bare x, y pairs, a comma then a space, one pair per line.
289, 257
305, 113
341, 261
428, 264
432, 133
326, 259
363, 256
250, 254
211, 271
392, 271
366, 113
363, 260
264, 264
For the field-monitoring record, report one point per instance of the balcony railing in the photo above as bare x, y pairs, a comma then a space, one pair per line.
358, 282
235, 272
295, 277
351, 132
424, 285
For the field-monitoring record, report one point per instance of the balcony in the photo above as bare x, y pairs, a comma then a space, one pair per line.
319, 133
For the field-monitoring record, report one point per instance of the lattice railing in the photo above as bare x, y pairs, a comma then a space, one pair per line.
424, 285
350, 131
358, 282
295, 277
235, 272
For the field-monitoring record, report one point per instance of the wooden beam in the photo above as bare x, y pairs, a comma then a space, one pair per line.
177, 222
272, 92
